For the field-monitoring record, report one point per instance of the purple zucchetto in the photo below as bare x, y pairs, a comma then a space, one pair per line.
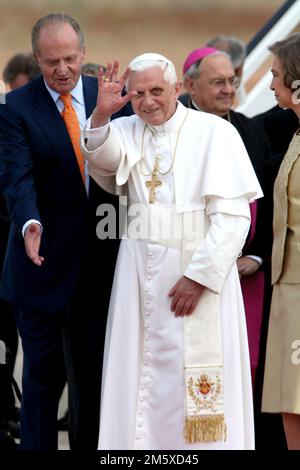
196, 55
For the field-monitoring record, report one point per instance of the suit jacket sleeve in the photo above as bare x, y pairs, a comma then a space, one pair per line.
16, 169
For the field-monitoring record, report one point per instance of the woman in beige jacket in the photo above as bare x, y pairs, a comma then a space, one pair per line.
281, 392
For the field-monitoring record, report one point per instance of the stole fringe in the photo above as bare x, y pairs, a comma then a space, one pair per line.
208, 428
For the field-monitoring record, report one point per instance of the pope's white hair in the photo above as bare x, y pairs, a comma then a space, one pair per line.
150, 60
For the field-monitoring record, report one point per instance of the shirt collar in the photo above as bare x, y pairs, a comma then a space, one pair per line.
195, 105
77, 92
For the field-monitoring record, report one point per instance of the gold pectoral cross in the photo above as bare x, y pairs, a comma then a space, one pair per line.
152, 185
153, 182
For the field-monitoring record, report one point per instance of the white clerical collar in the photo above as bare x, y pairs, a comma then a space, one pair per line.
174, 122
77, 92
196, 106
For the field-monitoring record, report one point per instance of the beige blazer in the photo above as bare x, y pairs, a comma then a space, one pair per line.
286, 221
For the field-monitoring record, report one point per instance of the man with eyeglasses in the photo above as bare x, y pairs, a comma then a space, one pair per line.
210, 80
211, 83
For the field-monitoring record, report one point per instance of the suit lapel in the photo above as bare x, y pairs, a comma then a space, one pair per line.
287, 163
48, 118
280, 215
90, 91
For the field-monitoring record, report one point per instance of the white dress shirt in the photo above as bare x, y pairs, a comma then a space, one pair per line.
79, 106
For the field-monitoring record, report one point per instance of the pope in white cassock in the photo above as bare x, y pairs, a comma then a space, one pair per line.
176, 366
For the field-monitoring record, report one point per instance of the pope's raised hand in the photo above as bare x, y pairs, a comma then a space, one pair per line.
110, 99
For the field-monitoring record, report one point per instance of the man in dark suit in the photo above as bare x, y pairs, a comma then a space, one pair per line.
19, 70
210, 80
56, 273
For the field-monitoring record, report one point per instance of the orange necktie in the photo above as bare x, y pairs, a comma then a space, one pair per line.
71, 120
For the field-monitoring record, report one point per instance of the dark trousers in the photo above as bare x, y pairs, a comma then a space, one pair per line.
42, 378
72, 338
85, 332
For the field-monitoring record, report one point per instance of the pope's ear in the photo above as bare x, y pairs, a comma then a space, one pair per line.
178, 87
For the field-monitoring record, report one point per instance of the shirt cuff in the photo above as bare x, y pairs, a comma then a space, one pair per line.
94, 137
256, 258
31, 221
